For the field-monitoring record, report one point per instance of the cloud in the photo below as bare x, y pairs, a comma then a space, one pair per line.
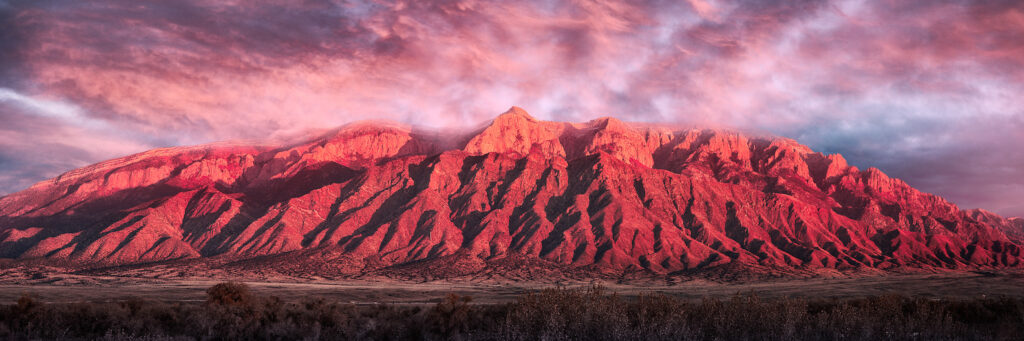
904, 86
40, 141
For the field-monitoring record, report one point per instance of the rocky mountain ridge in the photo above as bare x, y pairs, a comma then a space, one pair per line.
603, 196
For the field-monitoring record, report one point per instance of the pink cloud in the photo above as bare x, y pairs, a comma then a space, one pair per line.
840, 75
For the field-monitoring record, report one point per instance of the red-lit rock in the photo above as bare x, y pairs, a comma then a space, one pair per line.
603, 196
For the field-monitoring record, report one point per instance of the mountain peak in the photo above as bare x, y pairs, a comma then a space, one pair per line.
981, 211
517, 132
516, 112
610, 123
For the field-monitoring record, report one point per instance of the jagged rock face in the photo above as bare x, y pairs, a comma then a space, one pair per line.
602, 195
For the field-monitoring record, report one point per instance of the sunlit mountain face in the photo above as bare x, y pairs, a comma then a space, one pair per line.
518, 198
925, 91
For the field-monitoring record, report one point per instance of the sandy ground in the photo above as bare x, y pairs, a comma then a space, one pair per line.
72, 288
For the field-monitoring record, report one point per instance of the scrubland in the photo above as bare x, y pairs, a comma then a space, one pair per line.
232, 310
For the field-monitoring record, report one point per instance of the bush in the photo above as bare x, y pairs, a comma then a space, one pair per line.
451, 316
232, 312
229, 293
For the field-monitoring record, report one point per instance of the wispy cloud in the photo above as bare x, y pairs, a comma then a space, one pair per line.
908, 86
40, 139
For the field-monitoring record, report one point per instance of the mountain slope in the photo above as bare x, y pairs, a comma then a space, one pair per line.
601, 196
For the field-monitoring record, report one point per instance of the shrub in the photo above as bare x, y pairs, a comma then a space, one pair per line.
229, 293
451, 316
232, 312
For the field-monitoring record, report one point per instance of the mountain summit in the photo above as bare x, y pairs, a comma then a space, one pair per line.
518, 195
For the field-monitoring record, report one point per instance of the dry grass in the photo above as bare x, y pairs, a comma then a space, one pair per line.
232, 312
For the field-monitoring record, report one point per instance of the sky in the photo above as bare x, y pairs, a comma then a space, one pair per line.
928, 91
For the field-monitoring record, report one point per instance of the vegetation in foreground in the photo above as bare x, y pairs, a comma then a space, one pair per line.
231, 312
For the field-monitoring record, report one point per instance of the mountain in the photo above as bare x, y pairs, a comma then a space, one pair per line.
519, 195
1013, 227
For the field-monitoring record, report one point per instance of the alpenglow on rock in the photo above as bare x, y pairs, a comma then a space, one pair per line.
603, 196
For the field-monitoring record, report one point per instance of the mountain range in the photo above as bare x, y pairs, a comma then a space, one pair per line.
518, 195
